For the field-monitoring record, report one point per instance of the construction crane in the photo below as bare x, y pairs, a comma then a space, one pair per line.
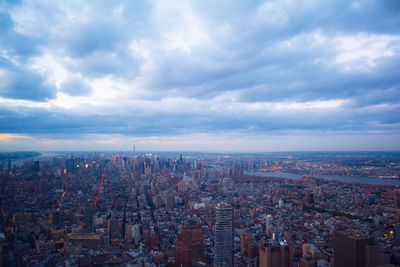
97, 196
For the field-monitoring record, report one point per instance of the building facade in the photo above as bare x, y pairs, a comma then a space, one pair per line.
223, 248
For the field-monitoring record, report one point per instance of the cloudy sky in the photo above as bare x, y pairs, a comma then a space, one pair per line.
200, 75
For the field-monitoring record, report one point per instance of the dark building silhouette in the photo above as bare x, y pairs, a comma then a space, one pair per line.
375, 257
189, 245
70, 165
350, 250
9, 165
397, 197
89, 214
36, 166
397, 232
275, 255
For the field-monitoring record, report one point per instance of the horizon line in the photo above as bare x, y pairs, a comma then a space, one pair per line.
211, 152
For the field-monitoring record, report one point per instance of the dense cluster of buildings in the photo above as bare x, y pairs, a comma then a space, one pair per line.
149, 210
376, 165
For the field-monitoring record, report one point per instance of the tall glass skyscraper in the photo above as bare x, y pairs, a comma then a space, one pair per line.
223, 249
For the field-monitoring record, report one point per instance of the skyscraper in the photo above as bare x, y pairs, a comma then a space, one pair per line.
190, 245
89, 214
70, 165
223, 249
268, 223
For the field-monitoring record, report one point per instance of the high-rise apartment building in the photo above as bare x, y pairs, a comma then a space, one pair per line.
223, 248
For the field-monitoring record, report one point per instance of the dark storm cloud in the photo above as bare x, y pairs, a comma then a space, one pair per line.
23, 83
37, 121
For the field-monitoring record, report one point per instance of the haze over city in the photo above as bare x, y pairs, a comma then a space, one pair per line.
200, 75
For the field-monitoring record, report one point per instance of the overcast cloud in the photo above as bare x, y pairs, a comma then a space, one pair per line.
254, 75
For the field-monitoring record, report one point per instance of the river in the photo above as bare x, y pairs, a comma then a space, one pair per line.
349, 179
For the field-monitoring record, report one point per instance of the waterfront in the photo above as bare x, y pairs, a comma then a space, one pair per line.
349, 179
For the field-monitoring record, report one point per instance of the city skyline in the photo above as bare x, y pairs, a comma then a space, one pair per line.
266, 210
255, 76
